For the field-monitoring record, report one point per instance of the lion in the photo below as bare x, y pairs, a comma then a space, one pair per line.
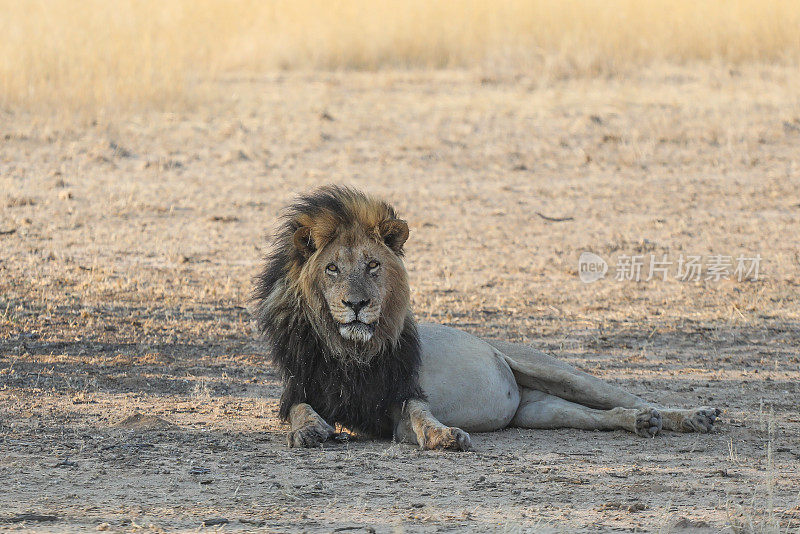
333, 301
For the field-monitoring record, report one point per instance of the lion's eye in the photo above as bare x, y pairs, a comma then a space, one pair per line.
332, 268
373, 265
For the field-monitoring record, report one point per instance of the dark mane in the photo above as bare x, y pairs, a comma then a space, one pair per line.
359, 396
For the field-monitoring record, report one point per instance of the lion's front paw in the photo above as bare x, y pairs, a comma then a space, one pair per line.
648, 422
700, 420
311, 434
446, 438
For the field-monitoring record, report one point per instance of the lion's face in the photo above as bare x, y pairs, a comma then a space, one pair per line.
335, 279
356, 283
353, 283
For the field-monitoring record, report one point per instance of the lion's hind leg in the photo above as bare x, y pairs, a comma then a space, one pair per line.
541, 410
539, 371
690, 420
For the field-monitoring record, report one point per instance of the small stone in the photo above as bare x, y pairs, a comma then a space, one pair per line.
197, 470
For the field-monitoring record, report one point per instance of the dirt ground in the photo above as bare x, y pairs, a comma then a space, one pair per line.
128, 251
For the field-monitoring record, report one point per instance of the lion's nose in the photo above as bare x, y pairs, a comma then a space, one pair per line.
356, 306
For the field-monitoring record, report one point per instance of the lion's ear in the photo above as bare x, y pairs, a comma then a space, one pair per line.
303, 241
394, 233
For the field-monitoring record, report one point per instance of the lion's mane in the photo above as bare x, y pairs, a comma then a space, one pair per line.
358, 393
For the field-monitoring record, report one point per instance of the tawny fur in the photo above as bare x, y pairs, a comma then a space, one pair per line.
333, 299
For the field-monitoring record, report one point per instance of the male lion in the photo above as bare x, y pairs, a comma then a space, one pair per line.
333, 300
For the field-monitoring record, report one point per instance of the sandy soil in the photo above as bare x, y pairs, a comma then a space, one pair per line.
128, 251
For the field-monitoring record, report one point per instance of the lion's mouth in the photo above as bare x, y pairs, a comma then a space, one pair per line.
357, 331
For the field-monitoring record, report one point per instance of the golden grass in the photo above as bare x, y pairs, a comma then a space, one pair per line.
98, 54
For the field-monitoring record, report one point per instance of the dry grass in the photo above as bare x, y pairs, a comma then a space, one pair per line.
127, 253
760, 515
102, 56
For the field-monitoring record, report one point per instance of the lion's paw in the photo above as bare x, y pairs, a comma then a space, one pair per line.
446, 438
648, 422
311, 434
462, 440
700, 420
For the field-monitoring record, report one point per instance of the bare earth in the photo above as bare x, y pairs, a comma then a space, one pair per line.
126, 254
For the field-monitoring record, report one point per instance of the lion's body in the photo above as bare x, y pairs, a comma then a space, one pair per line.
333, 299
467, 382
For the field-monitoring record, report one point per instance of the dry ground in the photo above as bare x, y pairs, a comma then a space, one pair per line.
128, 249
